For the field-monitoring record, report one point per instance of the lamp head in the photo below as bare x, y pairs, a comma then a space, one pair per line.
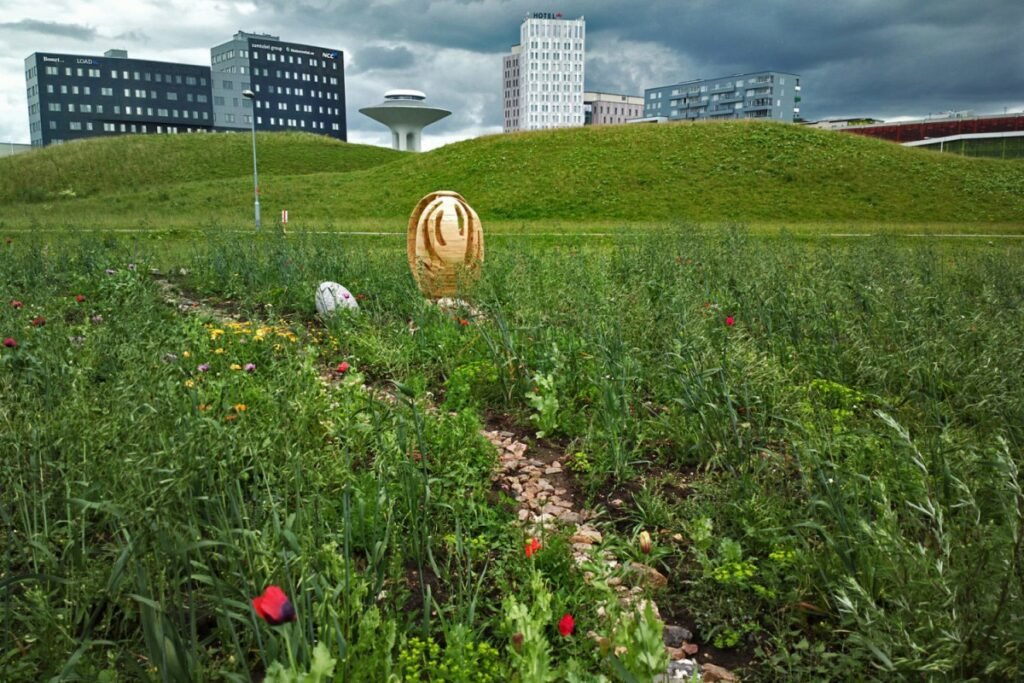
248, 94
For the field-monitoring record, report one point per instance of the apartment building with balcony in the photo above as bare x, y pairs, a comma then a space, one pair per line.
772, 95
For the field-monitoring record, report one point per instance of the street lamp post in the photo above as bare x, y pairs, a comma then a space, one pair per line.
250, 95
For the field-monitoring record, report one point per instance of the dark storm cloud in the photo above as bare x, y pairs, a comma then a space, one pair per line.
372, 58
52, 28
880, 57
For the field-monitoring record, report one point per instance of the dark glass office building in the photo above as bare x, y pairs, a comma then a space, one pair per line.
296, 86
80, 96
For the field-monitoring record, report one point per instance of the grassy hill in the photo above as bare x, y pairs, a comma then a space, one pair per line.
741, 171
98, 166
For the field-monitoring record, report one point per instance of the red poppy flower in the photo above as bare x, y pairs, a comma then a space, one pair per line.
80, 298
463, 322
566, 625
730, 321
38, 321
532, 547
10, 343
273, 606
16, 303
342, 368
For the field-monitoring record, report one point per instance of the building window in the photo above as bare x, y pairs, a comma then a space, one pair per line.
228, 85
75, 125
173, 96
53, 106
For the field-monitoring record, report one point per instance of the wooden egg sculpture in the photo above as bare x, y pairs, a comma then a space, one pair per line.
445, 244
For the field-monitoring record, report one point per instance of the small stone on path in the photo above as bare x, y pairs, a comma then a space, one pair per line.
675, 636
711, 673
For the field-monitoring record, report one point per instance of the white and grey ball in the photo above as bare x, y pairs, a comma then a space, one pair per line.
330, 297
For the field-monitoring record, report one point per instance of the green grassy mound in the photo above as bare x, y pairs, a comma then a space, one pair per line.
100, 166
734, 171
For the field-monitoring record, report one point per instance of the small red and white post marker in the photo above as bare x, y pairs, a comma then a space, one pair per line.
284, 217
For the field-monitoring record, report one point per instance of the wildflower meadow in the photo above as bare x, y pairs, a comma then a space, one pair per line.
803, 453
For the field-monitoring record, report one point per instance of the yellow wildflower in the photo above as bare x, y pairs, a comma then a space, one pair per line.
236, 366
189, 383
187, 354
240, 407
218, 350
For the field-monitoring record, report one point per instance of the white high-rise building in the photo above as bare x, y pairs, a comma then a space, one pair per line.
543, 75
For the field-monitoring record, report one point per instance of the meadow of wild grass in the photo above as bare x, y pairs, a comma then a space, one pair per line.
823, 438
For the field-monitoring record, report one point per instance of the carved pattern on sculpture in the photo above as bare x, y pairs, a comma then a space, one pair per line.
445, 244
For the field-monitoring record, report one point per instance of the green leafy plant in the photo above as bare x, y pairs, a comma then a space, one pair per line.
544, 401
321, 669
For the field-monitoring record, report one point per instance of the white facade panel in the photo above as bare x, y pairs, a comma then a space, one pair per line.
551, 67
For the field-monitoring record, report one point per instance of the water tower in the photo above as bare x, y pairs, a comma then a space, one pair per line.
406, 113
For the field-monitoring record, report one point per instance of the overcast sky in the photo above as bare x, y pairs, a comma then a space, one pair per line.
881, 58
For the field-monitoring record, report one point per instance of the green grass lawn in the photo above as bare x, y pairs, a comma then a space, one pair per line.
821, 436
753, 173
